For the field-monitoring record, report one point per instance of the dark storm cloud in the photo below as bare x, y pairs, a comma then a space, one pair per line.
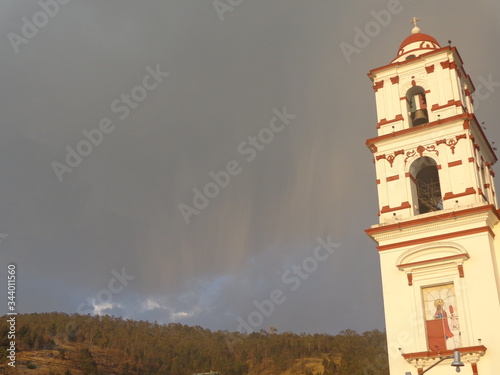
120, 206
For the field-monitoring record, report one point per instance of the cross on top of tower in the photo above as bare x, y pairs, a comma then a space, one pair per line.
415, 29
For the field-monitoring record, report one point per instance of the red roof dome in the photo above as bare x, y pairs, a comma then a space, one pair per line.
418, 37
415, 45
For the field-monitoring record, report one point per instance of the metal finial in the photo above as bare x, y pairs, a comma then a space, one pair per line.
415, 29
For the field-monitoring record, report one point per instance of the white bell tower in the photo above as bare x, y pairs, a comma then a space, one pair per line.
438, 215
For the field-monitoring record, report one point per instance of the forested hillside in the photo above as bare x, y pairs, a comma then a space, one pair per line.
56, 343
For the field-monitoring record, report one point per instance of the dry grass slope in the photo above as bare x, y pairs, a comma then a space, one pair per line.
53, 362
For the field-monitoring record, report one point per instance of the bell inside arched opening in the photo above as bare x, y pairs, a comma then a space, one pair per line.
417, 106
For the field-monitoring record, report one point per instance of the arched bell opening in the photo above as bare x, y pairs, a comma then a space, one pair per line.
427, 187
417, 106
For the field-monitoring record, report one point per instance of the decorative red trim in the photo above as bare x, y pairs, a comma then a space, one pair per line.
474, 368
409, 276
390, 158
487, 186
421, 149
454, 163
416, 128
444, 353
385, 121
392, 178
471, 160
378, 85
439, 237
423, 45
459, 256
431, 219
419, 48
450, 103
452, 143
448, 65
429, 69
388, 209
468, 191
391, 65
465, 116
395, 80
483, 195
470, 83
460, 270
378, 181
438, 167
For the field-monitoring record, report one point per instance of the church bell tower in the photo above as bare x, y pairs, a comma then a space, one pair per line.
438, 215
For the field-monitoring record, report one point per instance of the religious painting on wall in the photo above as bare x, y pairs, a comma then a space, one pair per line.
441, 317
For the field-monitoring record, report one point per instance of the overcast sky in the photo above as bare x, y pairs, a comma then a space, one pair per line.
171, 93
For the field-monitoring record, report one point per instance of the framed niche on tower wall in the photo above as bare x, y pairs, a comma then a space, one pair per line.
442, 317
438, 294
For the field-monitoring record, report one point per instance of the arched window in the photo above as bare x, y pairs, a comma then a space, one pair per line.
427, 187
417, 106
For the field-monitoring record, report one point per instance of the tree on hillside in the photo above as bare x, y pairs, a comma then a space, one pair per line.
86, 362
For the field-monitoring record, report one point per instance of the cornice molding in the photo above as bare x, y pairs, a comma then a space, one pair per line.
445, 219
